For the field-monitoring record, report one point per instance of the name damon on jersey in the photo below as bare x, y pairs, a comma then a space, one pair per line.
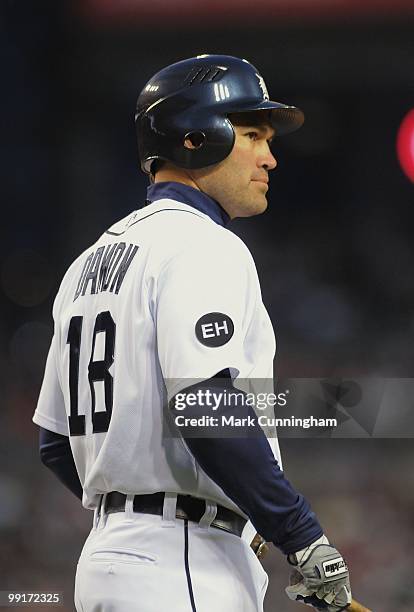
105, 268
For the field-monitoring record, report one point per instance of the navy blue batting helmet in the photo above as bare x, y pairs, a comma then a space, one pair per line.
192, 99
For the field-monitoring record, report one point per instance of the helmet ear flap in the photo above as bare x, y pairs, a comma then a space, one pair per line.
163, 135
208, 145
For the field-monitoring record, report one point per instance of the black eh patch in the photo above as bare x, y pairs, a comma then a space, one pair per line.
214, 329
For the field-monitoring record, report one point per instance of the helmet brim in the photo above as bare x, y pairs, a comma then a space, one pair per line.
284, 119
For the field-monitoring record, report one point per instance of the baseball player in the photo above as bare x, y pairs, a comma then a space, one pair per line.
166, 308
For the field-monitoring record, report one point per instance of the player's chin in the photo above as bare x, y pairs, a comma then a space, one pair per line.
259, 196
251, 202
260, 205
255, 207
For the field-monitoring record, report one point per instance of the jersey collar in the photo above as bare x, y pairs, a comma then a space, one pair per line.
188, 195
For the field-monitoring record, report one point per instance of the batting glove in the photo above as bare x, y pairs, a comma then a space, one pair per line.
320, 578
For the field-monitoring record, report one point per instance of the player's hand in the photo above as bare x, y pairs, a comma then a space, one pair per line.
320, 578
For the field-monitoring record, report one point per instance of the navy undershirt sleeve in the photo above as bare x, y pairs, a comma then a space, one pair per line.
56, 454
247, 471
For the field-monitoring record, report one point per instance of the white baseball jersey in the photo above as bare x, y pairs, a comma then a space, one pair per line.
164, 296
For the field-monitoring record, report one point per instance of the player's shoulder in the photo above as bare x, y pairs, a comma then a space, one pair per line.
167, 227
198, 234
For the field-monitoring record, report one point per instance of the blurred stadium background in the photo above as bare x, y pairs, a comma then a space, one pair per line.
334, 250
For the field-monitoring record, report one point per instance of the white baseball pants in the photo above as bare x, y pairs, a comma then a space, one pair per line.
134, 562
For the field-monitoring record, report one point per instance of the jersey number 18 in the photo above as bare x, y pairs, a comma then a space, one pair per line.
98, 370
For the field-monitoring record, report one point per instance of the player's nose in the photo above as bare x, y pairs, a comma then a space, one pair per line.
268, 160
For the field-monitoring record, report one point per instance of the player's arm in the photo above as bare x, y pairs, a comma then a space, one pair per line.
50, 416
56, 454
195, 284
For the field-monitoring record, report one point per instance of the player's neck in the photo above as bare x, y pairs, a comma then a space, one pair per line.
169, 173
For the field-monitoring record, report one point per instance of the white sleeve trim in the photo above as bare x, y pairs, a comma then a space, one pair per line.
183, 383
50, 424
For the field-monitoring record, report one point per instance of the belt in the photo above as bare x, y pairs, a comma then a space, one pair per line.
188, 508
